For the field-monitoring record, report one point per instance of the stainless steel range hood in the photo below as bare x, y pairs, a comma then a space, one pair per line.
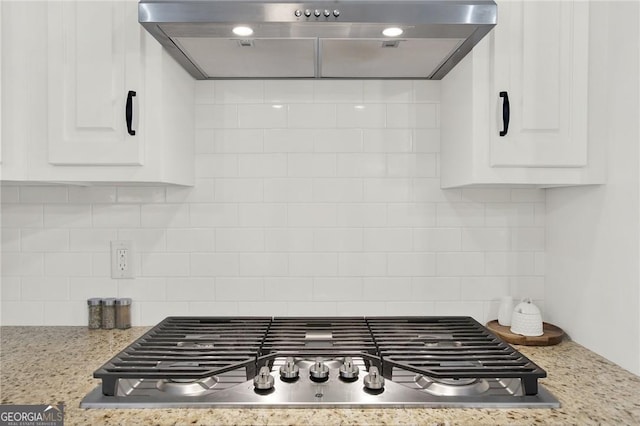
338, 39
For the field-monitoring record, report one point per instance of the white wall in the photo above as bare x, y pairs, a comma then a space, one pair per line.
593, 253
327, 205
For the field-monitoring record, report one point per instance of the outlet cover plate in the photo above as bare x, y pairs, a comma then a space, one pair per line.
121, 259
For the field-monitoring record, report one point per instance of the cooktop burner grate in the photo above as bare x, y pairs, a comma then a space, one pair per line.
449, 348
185, 351
188, 348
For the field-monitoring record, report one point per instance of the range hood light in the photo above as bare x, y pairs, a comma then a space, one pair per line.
392, 31
242, 31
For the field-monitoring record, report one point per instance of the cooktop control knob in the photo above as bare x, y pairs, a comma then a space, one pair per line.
264, 380
298, 13
307, 13
319, 372
289, 371
336, 13
374, 381
316, 13
327, 13
348, 371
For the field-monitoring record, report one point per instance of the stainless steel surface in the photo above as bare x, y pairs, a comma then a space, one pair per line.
264, 380
315, 362
289, 370
437, 34
373, 381
348, 370
334, 392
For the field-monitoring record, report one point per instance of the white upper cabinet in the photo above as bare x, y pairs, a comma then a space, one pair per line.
515, 110
94, 61
96, 99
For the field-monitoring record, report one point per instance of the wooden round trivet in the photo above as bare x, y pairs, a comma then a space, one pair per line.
552, 335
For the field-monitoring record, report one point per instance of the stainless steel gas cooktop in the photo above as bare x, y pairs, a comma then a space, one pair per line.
204, 362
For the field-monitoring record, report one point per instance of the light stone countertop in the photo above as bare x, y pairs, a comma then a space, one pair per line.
44, 365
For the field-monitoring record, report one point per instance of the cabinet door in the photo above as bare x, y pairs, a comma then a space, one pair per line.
541, 61
94, 61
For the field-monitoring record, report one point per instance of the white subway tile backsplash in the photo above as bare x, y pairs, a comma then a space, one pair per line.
510, 263
239, 91
288, 240
262, 165
485, 288
217, 165
361, 116
338, 239
288, 140
310, 116
92, 194
26, 216
388, 239
216, 116
133, 194
144, 240
362, 264
83, 288
212, 215
165, 264
411, 264
527, 239
337, 140
262, 116
239, 289
296, 190
239, 190
312, 215
45, 288
92, 239
486, 239
311, 165
337, 190
11, 239
282, 92
361, 165
337, 91
386, 288
67, 264
337, 289
388, 140
10, 288
361, 215
310, 198
262, 215
117, 215
22, 264
9, 194
191, 240
288, 289
43, 194
387, 190
189, 289
435, 288
44, 239
313, 264
436, 239
263, 264
214, 264
239, 239
22, 313
388, 91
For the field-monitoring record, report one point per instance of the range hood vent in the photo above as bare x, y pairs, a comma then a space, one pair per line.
234, 39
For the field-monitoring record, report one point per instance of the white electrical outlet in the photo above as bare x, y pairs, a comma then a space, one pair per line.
121, 259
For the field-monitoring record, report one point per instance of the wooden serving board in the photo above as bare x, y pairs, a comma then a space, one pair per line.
552, 335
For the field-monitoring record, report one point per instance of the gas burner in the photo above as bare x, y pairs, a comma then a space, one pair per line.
187, 387
452, 387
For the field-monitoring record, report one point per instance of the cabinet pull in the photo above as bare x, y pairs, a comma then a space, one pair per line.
506, 112
129, 112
